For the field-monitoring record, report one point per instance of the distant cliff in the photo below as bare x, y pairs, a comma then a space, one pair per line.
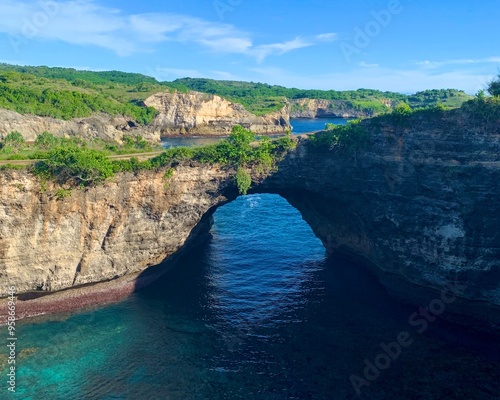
197, 113
100, 126
179, 113
316, 108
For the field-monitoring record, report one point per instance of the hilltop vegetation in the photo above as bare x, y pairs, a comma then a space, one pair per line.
67, 93
262, 98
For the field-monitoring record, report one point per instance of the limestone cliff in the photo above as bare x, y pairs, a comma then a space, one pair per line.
419, 205
317, 108
100, 233
100, 126
200, 114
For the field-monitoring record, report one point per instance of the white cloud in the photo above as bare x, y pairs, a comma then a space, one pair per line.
263, 51
397, 80
327, 37
169, 74
438, 64
367, 65
86, 22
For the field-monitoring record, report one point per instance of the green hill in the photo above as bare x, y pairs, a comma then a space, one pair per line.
67, 93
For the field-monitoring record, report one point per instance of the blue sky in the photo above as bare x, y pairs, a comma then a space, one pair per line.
398, 45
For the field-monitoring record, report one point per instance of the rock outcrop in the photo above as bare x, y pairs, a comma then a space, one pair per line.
100, 233
419, 205
204, 114
100, 126
317, 108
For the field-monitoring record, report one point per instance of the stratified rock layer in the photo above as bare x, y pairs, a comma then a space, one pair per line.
319, 108
419, 205
201, 114
100, 126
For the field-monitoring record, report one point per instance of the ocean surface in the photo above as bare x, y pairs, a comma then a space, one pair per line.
299, 126
257, 312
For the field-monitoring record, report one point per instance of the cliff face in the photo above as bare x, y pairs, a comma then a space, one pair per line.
101, 233
316, 108
99, 126
200, 114
419, 205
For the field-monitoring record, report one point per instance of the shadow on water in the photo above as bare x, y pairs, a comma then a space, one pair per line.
257, 311
252, 313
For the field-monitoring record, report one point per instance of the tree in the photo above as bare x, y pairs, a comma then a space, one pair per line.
494, 86
81, 166
46, 141
13, 140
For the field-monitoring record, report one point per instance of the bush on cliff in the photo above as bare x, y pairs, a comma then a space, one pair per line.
494, 87
347, 138
13, 142
75, 165
79, 164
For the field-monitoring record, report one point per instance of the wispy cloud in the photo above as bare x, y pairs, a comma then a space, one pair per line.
367, 65
86, 22
438, 64
399, 80
327, 37
167, 74
262, 51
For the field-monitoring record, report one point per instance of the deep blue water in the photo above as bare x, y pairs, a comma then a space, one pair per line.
258, 312
311, 125
299, 126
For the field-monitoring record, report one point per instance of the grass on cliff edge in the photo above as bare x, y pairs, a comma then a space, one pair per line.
349, 138
84, 166
14, 147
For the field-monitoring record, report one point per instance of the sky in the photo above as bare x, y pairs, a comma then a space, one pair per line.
396, 45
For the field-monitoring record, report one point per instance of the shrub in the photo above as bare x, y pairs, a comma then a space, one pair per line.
243, 181
348, 138
76, 165
494, 87
13, 140
46, 140
61, 194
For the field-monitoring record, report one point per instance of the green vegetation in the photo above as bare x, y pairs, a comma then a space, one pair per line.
61, 194
494, 87
79, 166
345, 138
13, 142
260, 98
14, 147
449, 98
68, 93
83, 165
27, 94
243, 181
483, 110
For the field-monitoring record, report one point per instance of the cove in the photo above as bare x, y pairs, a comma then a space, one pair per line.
258, 311
415, 202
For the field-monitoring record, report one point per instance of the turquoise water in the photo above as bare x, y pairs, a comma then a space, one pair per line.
304, 125
258, 312
299, 126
